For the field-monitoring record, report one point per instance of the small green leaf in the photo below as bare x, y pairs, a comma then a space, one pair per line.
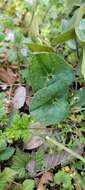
2, 36
39, 159
28, 184
6, 177
20, 161
59, 177
78, 99
3, 143
6, 154
63, 179
18, 36
39, 48
65, 36
12, 55
8, 23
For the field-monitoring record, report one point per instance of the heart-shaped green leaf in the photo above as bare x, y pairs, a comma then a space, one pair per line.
51, 93
47, 68
51, 112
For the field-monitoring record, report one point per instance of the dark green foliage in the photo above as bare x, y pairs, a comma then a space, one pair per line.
52, 112
47, 68
6, 177
3, 143
28, 184
39, 157
12, 56
7, 153
49, 73
42, 42
50, 93
63, 179
20, 161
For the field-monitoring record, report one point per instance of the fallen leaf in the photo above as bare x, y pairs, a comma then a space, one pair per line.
33, 143
7, 76
12, 75
54, 160
39, 129
46, 177
61, 157
19, 98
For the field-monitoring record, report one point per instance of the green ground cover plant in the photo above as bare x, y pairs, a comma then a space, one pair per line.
42, 94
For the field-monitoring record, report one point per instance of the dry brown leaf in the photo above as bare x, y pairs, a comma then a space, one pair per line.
46, 177
62, 157
7, 76
54, 160
33, 143
12, 75
39, 129
19, 98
